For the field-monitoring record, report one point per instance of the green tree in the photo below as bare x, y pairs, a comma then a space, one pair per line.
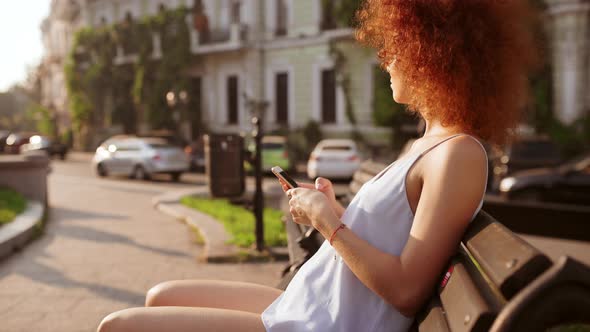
43, 118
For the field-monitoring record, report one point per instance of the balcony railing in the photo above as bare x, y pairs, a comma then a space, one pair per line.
200, 43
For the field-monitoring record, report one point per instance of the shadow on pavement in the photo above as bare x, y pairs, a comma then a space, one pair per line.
91, 234
134, 190
42, 273
62, 213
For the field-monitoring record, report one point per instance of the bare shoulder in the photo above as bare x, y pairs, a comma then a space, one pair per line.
461, 163
462, 153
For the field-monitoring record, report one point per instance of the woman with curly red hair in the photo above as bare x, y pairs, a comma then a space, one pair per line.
462, 66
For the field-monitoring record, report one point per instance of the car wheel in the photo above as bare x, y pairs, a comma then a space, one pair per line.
101, 170
176, 176
139, 173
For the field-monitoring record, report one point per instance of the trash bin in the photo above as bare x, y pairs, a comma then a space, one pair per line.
224, 160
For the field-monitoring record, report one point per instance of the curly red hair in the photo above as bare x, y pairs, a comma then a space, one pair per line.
465, 61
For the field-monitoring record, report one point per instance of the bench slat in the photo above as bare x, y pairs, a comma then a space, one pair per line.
510, 262
432, 318
372, 167
355, 187
465, 308
362, 177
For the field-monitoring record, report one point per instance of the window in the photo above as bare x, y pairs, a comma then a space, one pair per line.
235, 11
195, 106
232, 99
282, 18
328, 20
328, 96
282, 98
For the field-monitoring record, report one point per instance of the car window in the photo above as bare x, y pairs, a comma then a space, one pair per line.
337, 148
127, 146
273, 146
160, 146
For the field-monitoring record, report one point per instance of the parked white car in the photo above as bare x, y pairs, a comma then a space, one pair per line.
334, 158
139, 158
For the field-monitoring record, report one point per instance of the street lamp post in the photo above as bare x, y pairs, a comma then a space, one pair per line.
175, 99
258, 108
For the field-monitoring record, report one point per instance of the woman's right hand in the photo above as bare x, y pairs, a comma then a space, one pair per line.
325, 187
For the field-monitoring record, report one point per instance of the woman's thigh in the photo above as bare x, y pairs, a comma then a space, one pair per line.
231, 295
181, 319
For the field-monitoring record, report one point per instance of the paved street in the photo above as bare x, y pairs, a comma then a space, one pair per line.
103, 247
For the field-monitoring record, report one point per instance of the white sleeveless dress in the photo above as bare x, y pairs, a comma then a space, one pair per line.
325, 295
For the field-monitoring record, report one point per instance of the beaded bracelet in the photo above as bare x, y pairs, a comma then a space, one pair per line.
336, 231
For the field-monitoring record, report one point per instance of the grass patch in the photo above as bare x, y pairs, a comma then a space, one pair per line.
11, 204
239, 222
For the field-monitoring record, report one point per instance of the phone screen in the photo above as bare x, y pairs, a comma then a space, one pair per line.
279, 173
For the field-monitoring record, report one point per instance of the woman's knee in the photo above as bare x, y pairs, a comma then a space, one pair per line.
157, 294
160, 295
114, 322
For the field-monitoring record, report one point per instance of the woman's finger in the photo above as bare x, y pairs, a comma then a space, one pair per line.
306, 185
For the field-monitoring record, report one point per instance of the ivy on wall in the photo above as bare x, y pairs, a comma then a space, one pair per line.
137, 90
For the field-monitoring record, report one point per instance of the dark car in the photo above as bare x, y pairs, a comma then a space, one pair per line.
15, 140
44, 143
526, 153
195, 151
3, 136
568, 183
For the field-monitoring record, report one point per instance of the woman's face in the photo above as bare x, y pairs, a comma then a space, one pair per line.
398, 86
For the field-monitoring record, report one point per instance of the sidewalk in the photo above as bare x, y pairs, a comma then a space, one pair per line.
104, 246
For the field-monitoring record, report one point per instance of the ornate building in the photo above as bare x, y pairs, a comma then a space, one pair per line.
281, 51
58, 30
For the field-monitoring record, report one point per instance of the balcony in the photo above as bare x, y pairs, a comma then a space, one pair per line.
213, 41
218, 40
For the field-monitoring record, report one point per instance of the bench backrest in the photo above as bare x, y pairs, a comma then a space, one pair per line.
491, 266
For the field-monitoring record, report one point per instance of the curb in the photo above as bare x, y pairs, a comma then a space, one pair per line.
216, 248
16, 234
214, 236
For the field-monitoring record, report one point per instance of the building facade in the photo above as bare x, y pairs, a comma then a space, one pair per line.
279, 51
283, 52
570, 28
57, 30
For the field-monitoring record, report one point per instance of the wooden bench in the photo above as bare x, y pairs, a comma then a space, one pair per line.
495, 282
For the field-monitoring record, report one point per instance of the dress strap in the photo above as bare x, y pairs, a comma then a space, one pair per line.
439, 143
449, 138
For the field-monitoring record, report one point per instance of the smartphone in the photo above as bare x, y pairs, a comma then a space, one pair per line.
284, 176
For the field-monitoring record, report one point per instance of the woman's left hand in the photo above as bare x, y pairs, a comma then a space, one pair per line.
311, 207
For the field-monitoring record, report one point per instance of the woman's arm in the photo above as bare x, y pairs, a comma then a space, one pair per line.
453, 185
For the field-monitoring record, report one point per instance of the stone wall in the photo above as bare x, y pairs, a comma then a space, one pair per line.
26, 174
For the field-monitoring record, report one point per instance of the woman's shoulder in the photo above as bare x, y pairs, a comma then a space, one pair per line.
462, 157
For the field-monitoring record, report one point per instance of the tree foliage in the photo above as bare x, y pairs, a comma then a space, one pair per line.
93, 78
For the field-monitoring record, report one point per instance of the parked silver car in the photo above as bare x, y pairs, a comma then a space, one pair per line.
139, 158
334, 158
